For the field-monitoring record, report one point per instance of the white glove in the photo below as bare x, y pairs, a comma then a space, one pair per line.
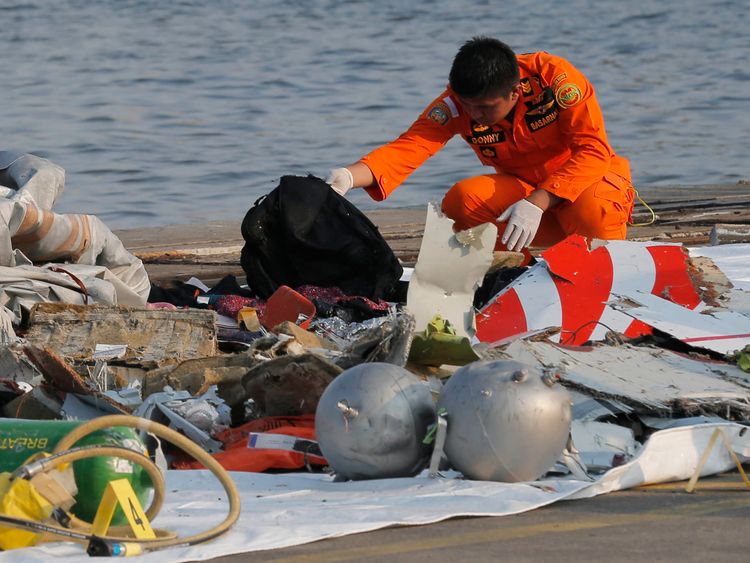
523, 221
341, 180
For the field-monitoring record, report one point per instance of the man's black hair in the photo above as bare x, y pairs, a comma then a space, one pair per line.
483, 68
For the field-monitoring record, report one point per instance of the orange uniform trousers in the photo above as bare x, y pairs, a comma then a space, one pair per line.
601, 211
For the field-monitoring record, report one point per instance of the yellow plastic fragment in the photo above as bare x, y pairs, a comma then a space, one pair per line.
19, 498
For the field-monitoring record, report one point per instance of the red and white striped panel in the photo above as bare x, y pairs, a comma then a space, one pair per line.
573, 285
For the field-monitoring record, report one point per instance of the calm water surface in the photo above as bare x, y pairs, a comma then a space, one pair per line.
175, 111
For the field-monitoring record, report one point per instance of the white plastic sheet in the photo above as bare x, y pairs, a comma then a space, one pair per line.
32, 234
31, 179
293, 509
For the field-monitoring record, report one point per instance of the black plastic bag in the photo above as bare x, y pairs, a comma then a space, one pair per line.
303, 232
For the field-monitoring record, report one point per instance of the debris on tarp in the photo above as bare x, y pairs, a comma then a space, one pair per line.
39, 403
313, 507
308, 339
439, 344
65, 379
15, 365
578, 290
268, 443
197, 417
198, 374
732, 262
289, 385
158, 335
645, 336
603, 445
722, 331
651, 380
381, 339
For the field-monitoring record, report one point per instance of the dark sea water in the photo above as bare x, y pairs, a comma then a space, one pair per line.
178, 111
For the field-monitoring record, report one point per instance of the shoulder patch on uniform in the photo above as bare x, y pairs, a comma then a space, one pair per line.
559, 78
568, 95
526, 87
439, 113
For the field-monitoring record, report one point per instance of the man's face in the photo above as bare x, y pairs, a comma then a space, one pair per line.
488, 111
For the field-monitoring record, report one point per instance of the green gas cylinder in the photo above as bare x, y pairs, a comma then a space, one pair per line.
20, 439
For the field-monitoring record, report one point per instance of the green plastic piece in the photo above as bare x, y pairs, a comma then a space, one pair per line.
439, 344
743, 359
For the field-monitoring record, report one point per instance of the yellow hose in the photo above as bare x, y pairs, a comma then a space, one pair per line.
77, 454
162, 432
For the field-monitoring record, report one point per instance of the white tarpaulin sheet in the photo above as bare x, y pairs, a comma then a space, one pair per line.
293, 509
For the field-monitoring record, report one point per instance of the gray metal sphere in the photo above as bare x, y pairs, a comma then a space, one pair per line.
371, 420
506, 421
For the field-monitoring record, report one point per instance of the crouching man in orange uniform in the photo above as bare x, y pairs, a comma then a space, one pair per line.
535, 119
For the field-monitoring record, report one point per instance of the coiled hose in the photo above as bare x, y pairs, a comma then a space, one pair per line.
116, 544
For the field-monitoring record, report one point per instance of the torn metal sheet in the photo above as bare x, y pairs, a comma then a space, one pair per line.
449, 269
64, 378
130, 397
109, 351
712, 284
714, 329
602, 445
653, 380
572, 286
386, 341
41, 403
196, 417
16, 366
586, 408
76, 407
664, 423
733, 260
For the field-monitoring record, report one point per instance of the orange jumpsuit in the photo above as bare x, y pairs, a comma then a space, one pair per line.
553, 139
